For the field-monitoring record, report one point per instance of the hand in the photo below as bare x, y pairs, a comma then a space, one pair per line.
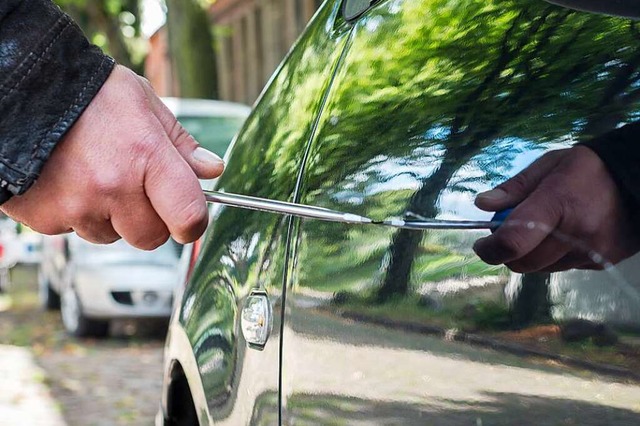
569, 211
125, 169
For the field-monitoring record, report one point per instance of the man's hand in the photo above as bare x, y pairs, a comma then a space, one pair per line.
568, 211
125, 169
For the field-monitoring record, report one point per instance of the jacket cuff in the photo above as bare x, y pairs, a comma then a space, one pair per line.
48, 75
620, 151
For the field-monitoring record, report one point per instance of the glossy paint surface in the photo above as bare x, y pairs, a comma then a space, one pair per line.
411, 109
434, 102
245, 250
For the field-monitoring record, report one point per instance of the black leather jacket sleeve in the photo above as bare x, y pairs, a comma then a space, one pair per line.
620, 151
48, 75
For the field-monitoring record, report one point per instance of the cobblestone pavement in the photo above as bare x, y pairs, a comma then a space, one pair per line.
50, 379
116, 385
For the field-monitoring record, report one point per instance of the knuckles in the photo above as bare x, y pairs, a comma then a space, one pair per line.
49, 228
146, 143
519, 184
109, 184
150, 242
501, 247
179, 134
521, 267
190, 222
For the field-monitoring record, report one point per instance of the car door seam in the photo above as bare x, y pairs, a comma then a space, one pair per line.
296, 194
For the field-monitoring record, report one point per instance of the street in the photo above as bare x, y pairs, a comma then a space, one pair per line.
51, 379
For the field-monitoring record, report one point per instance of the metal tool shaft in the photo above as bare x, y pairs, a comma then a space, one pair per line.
442, 224
320, 213
301, 210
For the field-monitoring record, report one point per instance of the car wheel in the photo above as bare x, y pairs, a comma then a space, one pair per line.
49, 299
74, 321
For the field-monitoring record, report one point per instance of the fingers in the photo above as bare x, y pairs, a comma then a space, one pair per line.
526, 227
139, 224
569, 214
574, 261
126, 168
516, 189
175, 194
204, 163
549, 252
97, 232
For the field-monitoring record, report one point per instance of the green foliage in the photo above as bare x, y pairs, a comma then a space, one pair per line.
191, 48
463, 85
430, 97
490, 315
113, 25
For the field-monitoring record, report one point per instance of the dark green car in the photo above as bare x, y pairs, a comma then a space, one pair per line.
406, 109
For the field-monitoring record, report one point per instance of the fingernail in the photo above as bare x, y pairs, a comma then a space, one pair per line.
493, 195
206, 156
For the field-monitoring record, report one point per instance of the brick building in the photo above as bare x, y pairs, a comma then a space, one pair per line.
252, 37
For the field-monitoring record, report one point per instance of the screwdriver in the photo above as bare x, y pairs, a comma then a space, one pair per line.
321, 213
425, 223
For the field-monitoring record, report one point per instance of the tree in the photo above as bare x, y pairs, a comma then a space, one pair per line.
114, 25
191, 49
442, 81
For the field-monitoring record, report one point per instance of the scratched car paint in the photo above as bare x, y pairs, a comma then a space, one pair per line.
412, 106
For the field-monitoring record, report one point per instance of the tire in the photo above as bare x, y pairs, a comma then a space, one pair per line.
75, 322
49, 299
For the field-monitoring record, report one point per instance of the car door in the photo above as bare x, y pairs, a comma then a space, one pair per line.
244, 252
433, 102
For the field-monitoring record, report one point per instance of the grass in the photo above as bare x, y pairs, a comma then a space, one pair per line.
489, 318
411, 309
24, 323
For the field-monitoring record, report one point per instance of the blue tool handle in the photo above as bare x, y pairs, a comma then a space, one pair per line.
501, 216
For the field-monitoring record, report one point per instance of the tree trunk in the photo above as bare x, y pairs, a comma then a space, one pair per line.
191, 49
406, 242
110, 26
531, 304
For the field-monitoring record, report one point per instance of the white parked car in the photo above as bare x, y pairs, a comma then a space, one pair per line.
93, 284
30, 250
10, 249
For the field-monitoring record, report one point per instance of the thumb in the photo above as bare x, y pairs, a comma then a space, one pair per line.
203, 162
513, 191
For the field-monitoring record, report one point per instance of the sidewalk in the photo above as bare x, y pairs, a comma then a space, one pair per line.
24, 397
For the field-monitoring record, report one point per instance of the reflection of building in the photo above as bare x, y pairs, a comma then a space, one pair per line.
252, 37
157, 66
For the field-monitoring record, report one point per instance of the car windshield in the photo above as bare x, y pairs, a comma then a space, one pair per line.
213, 133
121, 252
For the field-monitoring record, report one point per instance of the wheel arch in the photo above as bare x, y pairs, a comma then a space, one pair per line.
181, 375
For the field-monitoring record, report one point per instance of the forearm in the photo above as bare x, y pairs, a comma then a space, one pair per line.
48, 75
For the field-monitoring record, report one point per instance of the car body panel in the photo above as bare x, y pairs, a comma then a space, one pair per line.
415, 106
246, 250
98, 272
465, 95
180, 352
96, 286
